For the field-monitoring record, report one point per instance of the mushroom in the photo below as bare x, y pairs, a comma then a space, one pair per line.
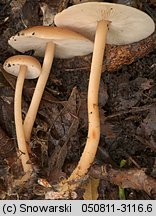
104, 23
24, 67
47, 42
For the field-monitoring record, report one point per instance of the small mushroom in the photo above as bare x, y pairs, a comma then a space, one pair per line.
24, 67
47, 42
104, 23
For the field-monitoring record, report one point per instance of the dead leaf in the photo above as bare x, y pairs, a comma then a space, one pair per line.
17, 5
130, 93
147, 129
70, 122
147, 84
48, 14
3, 81
63, 4
6, 144
91, 189
55, 164
131, 178
9, 78
29, 14
7, 110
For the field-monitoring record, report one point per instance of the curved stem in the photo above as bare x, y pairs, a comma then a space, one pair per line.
24, 156
90, 149
40, 86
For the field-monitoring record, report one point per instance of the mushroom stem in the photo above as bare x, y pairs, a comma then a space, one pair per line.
90, 149
40, 86
24, 156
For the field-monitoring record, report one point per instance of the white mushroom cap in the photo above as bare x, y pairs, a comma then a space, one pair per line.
127, 24
12, 66
68, 43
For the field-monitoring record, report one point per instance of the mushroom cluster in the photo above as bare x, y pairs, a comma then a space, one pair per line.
93, 24
47, 42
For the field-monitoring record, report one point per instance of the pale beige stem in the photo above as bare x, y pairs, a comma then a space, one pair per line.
90, 149
24, 156
40, 86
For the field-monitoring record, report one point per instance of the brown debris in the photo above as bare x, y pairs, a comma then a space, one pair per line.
63, 4
129, 93
6, 144
135, 179
69, 121
6, 109
147, 129
132, 178
117, 56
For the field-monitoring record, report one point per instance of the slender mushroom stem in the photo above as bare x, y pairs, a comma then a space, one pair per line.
24, 156
90, 149
40, 86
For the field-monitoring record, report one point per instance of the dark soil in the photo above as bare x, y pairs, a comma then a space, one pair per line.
127, 102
